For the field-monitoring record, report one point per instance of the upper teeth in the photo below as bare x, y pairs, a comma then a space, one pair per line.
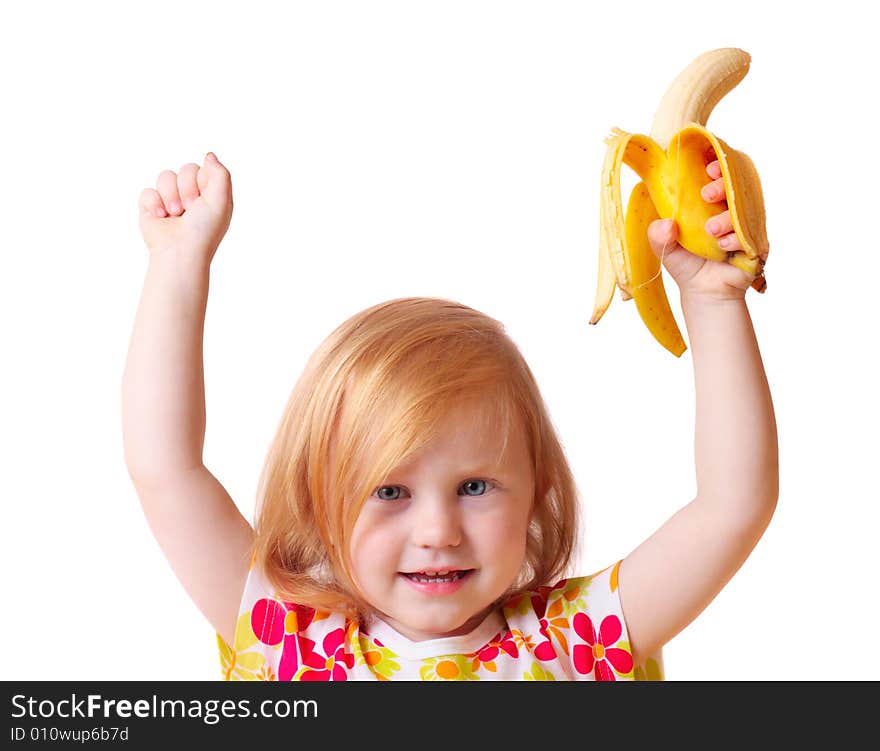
437, 578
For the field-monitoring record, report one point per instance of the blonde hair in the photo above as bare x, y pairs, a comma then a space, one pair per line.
373, 393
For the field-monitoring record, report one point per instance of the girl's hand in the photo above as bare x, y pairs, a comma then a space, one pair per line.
188, 212
697, 276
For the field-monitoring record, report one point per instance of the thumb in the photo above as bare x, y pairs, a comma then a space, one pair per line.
663, 236
680, 263
214, 181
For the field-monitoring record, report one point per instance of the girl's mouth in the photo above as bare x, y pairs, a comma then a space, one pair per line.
440, 577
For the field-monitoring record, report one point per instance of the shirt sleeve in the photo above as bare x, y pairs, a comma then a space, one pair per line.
254, 654
599, 634
584, 627
276, 640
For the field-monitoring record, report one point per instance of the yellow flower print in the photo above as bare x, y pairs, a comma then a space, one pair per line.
378, 658
650, 671
448, 668
521, 605
267, 674
537, 673
239, 664
570, 599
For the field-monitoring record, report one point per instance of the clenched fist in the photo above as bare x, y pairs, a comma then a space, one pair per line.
188, 212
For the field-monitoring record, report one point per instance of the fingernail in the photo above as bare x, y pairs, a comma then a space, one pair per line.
210, 155
713, 226
159, 211
725, 241
708, 191
174, 207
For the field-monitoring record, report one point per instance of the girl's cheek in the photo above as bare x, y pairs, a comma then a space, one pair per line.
370, 539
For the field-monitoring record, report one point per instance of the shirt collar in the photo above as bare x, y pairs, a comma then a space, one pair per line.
448, 645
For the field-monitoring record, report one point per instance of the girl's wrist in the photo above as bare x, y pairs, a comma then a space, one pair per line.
181, 261
184, 281
694, 299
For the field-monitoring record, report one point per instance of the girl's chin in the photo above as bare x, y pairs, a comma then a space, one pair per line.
425, 626
424, 631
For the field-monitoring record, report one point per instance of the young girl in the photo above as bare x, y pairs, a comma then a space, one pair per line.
416, 512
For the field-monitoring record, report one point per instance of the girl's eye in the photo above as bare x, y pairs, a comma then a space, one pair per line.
470, 488
383, 495
479, 487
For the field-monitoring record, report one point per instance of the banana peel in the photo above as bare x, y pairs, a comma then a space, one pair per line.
671, 164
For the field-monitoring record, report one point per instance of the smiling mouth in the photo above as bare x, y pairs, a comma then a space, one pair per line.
438, 578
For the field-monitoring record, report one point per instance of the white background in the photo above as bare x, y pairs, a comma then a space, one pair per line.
382, 150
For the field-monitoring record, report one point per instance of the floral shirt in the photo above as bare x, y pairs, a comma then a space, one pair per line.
572, 631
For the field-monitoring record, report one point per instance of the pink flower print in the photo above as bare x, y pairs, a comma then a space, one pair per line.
333, 665
599, 653
486, 656
545, 651
274, 622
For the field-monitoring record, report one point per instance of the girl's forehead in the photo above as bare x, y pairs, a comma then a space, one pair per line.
477, 430
468, 439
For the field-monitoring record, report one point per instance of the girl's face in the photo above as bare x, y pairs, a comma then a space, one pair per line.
445, 536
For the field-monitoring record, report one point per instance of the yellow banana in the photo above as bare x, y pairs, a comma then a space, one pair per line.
671, 163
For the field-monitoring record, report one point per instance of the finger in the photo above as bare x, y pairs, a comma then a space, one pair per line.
663, 236
187, 184
729, 242
713, 192
215, 182
166, 184
150, 202
714, 169
720, 224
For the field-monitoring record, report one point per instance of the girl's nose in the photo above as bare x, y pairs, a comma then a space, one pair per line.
437, 523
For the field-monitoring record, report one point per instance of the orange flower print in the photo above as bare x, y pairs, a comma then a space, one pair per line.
602, 655
552, 625
615, 574
523, 641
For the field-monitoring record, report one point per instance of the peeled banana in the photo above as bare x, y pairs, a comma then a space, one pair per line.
671, 164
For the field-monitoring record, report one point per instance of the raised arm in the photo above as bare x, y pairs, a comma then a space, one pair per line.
672, 576
197, 525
